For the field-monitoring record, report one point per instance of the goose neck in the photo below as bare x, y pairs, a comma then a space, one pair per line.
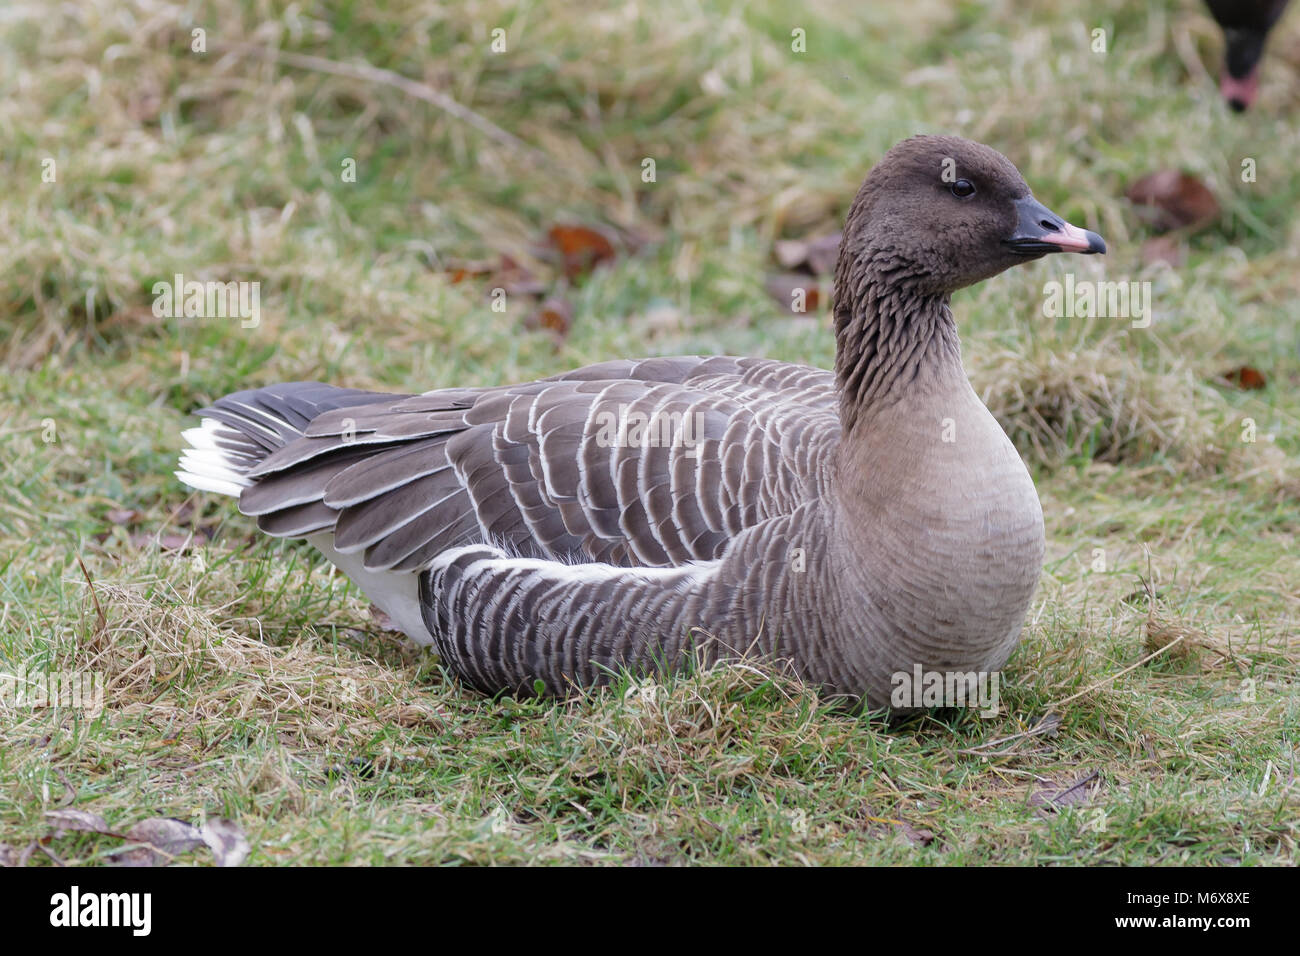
895, 338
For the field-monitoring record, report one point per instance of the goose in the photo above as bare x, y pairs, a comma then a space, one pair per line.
1246, 25
847, 525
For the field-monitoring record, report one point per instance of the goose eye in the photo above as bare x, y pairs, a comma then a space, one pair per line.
963, 189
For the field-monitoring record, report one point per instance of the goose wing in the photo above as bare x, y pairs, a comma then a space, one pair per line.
650, 463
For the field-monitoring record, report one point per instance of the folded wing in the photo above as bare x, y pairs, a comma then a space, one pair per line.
653, 463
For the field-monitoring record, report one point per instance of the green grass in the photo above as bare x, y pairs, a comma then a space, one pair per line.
246, 680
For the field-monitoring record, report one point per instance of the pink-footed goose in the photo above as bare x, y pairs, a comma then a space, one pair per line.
1246, 25
850, 524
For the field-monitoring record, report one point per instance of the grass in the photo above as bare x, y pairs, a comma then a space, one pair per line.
246, 680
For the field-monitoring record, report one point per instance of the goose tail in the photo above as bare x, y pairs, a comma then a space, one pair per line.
237, 432
216, 458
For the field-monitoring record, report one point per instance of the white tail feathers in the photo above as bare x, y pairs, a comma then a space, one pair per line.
207, 466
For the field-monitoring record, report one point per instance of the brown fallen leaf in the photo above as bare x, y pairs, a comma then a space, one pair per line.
1171, 199
582, 248
1245, 378
816, 255
798, 292
1052, 796
914, 836
76, 821
8, 855
157, 841
555, 315
121, 515
229, 846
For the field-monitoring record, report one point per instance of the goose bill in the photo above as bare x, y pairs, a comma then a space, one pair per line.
1041, 231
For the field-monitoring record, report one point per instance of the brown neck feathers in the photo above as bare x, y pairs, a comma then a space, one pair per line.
891, 333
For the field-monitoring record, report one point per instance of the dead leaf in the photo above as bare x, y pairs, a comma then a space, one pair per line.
159, 840
1051, 796
816, 256
1245, 378
798, 292
76, 821
1171, 199
583, 248
555, 315
8, 855
914, 836
229, 846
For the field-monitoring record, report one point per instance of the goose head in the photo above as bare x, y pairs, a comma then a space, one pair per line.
1246, 25
939, 213
1239, 80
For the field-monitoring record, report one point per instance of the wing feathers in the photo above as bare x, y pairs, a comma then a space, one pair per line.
655, 462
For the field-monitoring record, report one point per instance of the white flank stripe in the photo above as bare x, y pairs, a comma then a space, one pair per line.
557, 572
